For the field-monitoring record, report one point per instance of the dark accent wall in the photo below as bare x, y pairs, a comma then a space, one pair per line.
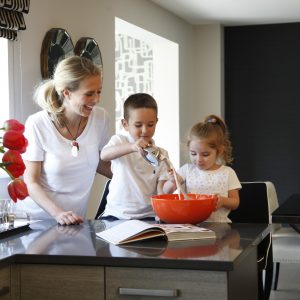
262, 103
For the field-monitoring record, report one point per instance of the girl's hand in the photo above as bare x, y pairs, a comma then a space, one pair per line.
171, 176
231, 202
68, 218
220, 202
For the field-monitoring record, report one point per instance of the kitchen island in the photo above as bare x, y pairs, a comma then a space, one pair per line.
68, 262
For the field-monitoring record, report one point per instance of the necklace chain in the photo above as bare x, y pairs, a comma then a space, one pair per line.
74, 143
76, 136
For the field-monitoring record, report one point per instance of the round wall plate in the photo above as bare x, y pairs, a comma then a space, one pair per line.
88, 47
57, 45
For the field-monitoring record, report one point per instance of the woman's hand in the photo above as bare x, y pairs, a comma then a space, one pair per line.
68, 218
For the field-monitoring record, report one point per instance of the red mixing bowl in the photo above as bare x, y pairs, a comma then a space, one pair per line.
172, 208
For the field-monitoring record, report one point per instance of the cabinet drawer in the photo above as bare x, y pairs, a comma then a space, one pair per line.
61, 282
139, 283
5, 283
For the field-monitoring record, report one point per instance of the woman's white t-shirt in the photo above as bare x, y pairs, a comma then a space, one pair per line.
133, 183
67, 180
218, 181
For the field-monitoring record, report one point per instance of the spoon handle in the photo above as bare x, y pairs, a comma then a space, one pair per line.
178, 185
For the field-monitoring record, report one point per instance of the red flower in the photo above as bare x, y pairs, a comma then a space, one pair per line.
13, 124
15, 162
17, 189
15, 140
12, 162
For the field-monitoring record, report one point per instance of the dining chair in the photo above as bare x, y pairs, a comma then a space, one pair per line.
257, 201
103, 200
286, 246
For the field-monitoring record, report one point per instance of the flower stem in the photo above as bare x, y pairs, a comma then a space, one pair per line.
10, 175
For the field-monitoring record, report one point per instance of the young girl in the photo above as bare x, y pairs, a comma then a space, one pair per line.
210, 151
134, 180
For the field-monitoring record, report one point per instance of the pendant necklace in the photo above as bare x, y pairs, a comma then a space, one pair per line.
74, 143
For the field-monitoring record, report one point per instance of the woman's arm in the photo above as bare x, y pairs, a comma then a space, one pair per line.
32, 178
104, 168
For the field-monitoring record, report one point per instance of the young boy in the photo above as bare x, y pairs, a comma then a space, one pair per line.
134, 180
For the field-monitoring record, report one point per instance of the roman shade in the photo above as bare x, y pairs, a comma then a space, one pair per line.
11, 17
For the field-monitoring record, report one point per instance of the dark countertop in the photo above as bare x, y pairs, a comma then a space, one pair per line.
48, 243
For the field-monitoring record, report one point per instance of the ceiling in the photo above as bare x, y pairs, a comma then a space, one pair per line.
234, 12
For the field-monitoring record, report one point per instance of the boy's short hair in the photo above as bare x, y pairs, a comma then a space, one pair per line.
139, 100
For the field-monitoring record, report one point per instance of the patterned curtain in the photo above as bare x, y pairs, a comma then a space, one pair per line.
11, 17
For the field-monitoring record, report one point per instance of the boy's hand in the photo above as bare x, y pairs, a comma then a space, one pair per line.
140, 145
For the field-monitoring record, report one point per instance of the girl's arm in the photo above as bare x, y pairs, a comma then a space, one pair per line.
231, 202
32, 178
160, 186
169, 186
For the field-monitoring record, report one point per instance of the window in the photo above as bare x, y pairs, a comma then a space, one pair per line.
4, 88
148, 63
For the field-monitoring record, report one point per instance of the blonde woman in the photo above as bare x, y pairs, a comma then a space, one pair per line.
65, 139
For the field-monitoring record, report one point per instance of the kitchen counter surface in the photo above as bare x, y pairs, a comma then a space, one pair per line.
48, 243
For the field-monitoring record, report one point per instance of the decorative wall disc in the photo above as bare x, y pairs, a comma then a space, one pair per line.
88, 47
57, 45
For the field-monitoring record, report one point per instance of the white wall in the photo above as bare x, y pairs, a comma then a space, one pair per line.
199, 55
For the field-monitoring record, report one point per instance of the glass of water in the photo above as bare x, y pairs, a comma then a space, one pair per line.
4, 213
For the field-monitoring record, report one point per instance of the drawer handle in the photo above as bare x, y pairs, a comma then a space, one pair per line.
4, 290
148, 292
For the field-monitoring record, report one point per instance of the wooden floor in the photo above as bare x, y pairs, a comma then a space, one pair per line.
288, 283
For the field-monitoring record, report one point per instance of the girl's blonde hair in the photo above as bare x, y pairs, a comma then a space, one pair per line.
215, 132
68, 75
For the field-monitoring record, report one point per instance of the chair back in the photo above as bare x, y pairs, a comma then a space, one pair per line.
257, 202
103, 200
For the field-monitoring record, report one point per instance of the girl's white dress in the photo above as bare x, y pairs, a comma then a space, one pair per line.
218, 181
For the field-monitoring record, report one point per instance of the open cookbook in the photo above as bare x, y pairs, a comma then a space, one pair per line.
136, 230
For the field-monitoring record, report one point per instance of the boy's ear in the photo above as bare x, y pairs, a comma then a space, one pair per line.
124, 124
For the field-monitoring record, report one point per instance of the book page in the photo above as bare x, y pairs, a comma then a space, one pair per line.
186, 232
128, 229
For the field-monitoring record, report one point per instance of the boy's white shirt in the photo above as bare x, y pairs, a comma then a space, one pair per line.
133, 183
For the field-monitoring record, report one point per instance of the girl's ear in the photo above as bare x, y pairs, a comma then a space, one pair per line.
124, 124
221, 150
